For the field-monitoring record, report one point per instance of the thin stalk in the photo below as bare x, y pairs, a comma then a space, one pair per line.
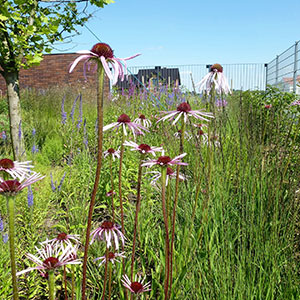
175, 204
100, 96
109, 281
65, 283
138, 205
121, 200
11, 232
112, 189
105, 274
51, 284
73, 282
167, 239
120, 181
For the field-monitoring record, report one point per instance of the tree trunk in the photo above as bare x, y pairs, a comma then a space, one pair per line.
15, 121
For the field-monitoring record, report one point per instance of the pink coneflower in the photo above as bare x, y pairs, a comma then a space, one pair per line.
166, 161
171, 174
51, 257
109, 231
268, 106
124, 121
102, 53
143, 148
111, 151
112, 257
17, 170
142, 120
184, 109
64, 239
13, 187
110, 193
137, 286
214, 78
296, 102
187, 136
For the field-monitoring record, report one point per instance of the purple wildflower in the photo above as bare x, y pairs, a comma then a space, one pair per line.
73, 108
20, 130
5, 238
1, 224
34, 149
61, 182
165, 161
80, 114
30, 197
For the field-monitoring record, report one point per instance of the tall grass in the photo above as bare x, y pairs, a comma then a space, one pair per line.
236, 214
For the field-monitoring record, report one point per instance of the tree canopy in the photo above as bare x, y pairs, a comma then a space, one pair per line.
28, 28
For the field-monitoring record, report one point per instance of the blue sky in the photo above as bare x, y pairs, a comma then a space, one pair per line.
173, 32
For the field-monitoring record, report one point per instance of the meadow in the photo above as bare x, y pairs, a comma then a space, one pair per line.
237, 202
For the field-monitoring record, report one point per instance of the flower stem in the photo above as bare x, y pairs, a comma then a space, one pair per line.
112, 189
51, 283
121, 200
100, 96
11, 228
73, 282
175, 204
65, 283
120, 182
109, 282
138, 205
105, 274
167, 239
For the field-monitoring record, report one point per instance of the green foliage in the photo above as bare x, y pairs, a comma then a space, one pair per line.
29, 28
237, 211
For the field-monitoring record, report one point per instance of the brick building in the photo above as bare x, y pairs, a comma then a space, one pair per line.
54, 71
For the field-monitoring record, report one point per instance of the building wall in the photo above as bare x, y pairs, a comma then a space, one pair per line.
54, 71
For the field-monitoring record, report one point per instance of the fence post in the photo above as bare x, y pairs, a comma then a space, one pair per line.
277, 62
267, 69
295, 67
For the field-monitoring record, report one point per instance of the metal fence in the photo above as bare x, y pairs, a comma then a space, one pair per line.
247, 76
284, 70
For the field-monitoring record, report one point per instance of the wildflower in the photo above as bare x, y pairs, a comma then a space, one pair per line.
1, 224
184, 109
5, 238
166, 161
141, 120
20, 130
171, 174
108, 231
214, 78
80, 114
64, 239
13, 187
34, 149
102, 53
111, 257
296, 102
3, 135
143, 148
187, 136
124, 121
73, 108
17, 170
30, 197
137, 286
53, 184
111, 151
268, 106
221, 103
33, 132
110, 193
50, 258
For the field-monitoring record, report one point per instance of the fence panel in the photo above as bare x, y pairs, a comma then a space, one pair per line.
283, 71
250, 76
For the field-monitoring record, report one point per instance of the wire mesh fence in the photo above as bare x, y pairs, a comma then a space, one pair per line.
244, 76
284, 71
